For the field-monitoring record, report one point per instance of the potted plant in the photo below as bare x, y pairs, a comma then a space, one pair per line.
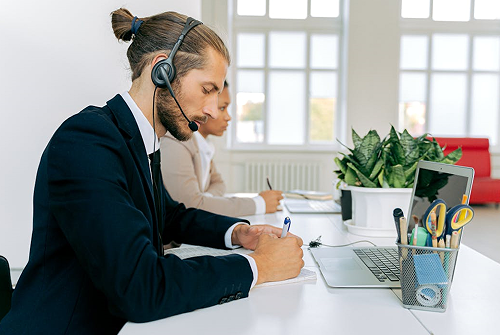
380, 173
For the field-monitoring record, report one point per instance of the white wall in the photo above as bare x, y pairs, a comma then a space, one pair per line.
57, 57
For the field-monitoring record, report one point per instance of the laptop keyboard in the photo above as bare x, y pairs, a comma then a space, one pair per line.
382, 262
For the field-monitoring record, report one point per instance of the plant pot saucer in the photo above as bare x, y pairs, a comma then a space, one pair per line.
366, 231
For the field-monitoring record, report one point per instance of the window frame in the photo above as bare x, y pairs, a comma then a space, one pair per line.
264, 24
429, 28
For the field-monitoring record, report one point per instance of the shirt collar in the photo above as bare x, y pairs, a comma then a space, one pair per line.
145, 127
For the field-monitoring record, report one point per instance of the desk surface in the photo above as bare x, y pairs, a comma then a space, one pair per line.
313, 307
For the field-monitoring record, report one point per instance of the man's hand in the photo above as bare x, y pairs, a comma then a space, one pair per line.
247, 236
278, 258
272, 199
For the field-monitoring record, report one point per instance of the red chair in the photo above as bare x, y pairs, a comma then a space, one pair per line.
476, 154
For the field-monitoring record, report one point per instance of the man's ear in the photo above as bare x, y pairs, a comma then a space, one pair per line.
158, 58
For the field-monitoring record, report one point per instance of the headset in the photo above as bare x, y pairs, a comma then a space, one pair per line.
164, 71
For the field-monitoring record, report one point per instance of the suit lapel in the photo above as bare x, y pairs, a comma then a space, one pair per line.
128, 126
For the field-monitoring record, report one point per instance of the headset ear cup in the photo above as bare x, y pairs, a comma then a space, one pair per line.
162, 72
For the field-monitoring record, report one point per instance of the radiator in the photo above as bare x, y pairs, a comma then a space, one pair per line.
283, 175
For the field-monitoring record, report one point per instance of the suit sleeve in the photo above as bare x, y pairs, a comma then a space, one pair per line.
181, 182
216, 185
95, 195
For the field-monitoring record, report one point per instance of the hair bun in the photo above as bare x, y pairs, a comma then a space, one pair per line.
121, 23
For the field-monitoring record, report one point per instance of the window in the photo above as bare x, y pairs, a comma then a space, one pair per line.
285, 73
450, 68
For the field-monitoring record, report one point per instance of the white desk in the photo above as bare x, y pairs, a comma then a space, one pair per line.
312, 307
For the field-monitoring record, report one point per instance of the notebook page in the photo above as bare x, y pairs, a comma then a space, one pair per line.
187, 251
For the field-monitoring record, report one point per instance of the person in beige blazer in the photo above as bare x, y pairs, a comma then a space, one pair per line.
192, 178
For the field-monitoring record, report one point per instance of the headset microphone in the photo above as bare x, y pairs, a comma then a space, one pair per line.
192, 125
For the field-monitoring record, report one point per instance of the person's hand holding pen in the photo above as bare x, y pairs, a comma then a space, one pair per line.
272, 198
248, 235
278, 258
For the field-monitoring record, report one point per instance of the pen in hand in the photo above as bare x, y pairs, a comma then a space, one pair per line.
269, 184
286, 226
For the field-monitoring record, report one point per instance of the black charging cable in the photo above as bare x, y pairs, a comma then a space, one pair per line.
317, 243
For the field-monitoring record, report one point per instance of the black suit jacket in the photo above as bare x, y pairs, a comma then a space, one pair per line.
93, 263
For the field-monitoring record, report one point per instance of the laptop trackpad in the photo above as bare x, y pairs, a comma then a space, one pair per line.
340, 264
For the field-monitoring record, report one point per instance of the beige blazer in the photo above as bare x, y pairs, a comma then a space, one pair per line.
181, 170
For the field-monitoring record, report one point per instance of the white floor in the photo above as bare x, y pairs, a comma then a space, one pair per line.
483, 232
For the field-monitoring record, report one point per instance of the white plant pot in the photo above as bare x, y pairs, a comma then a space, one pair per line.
372, 210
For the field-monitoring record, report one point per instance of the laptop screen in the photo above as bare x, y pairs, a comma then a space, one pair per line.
446, 182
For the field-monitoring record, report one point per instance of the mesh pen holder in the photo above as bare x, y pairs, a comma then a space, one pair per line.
426, 276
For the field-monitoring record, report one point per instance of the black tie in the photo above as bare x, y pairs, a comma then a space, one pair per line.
156, 174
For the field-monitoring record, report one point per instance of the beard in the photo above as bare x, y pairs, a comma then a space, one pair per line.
170, 116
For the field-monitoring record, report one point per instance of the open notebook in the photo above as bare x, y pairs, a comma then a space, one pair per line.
188, 251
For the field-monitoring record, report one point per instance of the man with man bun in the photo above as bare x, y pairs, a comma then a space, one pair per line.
101, 213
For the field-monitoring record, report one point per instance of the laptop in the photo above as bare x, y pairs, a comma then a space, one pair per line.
378, 267
308, 206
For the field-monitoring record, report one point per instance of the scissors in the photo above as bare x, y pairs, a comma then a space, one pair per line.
457, 217
438, 207
447, 221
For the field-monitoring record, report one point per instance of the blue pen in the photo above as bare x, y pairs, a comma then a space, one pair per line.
286, 226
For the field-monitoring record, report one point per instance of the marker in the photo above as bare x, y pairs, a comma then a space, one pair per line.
398, 214
286, 226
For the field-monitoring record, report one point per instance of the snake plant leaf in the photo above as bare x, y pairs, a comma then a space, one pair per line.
410, 174
356, 139
453, 156
352, 159
393, 135
365, 149
424, 145
365, 181
438, 152
397, 176
351, 177
341, 164
380, 177
395, 148
376, 169
375, 157
382, 180
398, 153
410, 148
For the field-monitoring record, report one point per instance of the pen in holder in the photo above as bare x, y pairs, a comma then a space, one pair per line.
426, 276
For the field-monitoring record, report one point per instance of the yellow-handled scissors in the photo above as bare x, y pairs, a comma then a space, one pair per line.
438, 207
457, 217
